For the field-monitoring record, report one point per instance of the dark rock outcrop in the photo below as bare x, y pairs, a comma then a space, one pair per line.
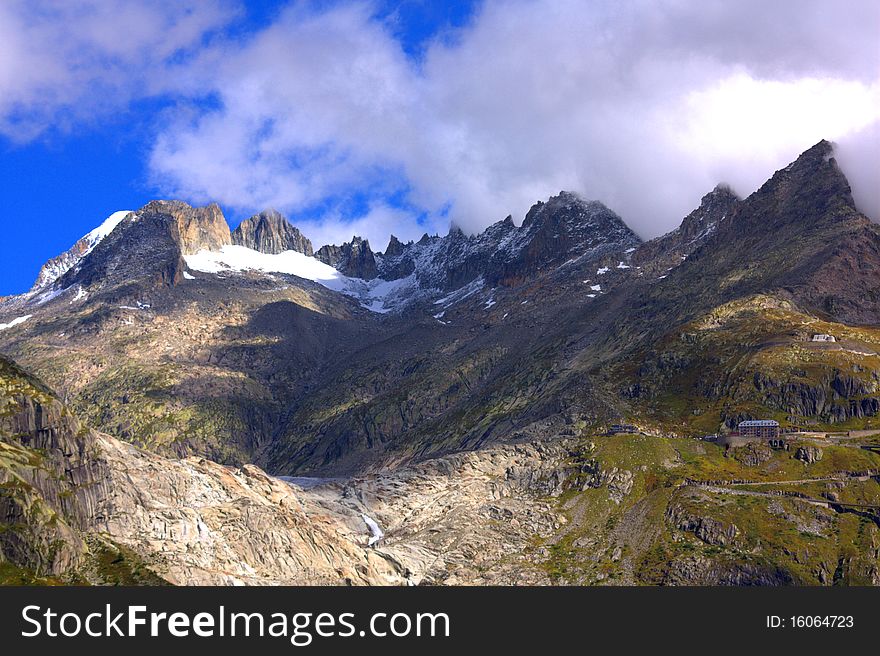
395, 247
663, 253
270, 232
700, 570
51, 481
354, 259
61, 264
146, 249
565, 228
808, 454
709, 530
834, 398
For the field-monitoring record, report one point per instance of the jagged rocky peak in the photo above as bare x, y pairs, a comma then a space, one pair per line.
354, 259
53, 269
395, 247
504, 225
566, 225
566, 206
329, 254
147, 247
191, 228
812, 178
810, 194
716, 206
498, 232
577, 220
668, 251
455, 232
198, 228
554, 232
271, 232
813, 181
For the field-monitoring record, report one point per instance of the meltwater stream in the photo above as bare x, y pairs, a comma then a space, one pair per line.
308, 482
375, 532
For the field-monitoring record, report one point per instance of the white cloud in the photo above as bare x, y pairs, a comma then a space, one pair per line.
377, 224
66, 62
859, 157
742, 129
642, 104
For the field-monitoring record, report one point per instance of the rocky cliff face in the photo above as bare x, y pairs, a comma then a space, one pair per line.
53, 481
64, 487
58, 266
270, 232
395, 247
564, 229
146, 248
835, 397
663, 253
143, 251
546, 331
198, 228
354, 259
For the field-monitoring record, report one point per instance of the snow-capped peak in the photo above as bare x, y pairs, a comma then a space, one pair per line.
58, 266
97, 235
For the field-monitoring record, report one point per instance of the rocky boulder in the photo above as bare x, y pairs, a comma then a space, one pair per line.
808, 454
707, 529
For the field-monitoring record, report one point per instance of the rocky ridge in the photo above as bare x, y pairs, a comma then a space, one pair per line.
354, 259
270, 232
192, 521
510, 339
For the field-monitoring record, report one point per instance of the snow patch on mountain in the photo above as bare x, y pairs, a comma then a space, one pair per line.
376, 533
376, 295
461, 293
15, 322
97, 235
240, 258
58, 266
81, 295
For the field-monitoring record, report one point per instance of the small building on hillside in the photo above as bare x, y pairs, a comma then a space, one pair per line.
614, 429
765, 429
824, 338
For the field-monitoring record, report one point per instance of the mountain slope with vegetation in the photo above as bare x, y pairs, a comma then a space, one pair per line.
387, 366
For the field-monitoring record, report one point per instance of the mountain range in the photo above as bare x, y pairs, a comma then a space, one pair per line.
185, 403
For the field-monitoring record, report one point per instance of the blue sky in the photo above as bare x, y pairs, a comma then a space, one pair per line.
62, 184
374, 117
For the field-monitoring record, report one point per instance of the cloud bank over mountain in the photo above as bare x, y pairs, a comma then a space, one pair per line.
642, 105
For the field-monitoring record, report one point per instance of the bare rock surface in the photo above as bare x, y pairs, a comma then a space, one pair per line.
200, 523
